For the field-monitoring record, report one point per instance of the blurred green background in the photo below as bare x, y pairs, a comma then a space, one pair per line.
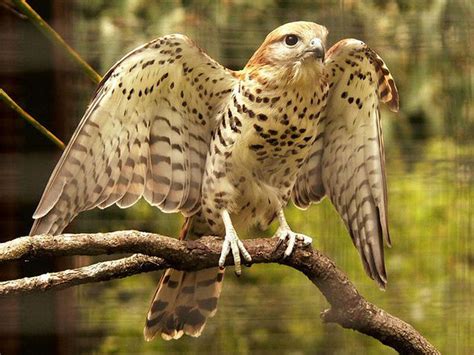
271, 309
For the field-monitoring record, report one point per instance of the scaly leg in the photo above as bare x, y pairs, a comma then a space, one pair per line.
284, 232
232, 243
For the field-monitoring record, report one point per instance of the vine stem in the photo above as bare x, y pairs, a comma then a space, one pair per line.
28, 118
54, 37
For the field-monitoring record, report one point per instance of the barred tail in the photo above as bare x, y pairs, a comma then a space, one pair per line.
183, 302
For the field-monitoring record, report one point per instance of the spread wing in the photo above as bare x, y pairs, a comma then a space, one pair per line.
346, 162
145, 133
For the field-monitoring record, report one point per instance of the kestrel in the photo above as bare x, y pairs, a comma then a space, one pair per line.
230, 148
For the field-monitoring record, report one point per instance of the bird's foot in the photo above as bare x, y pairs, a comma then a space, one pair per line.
284, 233
233, 244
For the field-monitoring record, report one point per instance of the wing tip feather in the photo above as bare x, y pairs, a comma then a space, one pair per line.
393, 101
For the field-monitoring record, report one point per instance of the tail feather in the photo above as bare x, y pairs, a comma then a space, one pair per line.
183, 302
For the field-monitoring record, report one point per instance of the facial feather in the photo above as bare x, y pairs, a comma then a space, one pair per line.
279, 60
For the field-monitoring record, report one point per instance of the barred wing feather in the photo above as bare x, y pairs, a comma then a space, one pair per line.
146, 133
346, 162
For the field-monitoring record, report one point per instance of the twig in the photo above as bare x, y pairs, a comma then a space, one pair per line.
54, 37
25, 115
348, 307
103, 271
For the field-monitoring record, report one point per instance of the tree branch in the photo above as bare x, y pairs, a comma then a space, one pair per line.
348, 307
104, 271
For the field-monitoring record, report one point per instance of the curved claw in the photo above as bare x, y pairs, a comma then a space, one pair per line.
284, 233
233, 244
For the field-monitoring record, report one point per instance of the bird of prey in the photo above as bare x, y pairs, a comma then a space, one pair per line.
231, 148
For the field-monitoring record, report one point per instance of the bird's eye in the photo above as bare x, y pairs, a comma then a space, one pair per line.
291, 40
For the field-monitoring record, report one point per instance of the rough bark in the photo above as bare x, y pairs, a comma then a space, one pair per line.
155, 252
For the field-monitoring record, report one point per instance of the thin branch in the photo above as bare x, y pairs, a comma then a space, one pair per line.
103, 271
54, 37
26, 116
348, 307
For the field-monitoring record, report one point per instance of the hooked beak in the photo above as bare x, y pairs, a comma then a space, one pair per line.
316, 47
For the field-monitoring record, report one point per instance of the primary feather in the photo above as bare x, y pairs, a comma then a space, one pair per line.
346, 162
145, 133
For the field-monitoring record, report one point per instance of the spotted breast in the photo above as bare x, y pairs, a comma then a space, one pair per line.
257, 149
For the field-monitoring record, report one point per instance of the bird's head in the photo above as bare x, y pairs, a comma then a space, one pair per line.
294, 51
